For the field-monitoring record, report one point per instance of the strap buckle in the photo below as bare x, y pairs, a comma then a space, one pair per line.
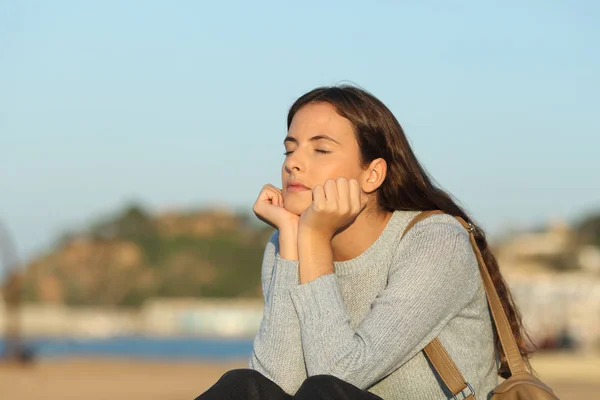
471, 229
469, 388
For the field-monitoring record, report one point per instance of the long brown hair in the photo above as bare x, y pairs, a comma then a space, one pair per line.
407, 186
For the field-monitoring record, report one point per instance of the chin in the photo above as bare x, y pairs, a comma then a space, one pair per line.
295, 206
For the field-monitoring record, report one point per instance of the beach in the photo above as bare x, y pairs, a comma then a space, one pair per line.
571, 376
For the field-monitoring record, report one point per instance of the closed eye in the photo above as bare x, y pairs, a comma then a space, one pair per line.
287, 153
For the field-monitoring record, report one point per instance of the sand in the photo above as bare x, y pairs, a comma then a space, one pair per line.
571, 376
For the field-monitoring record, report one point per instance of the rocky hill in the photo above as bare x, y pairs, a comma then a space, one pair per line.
124, 260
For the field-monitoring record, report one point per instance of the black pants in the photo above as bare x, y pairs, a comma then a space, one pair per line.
247, 384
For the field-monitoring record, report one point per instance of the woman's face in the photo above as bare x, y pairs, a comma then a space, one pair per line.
320, 145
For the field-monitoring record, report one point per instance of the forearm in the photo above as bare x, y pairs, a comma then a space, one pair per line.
315, 256
277, 351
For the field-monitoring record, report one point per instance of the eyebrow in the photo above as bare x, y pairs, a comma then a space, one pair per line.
312, 139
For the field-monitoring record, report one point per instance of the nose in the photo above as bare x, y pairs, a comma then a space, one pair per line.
294, 162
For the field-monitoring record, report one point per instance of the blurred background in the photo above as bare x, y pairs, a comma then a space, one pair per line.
135, 137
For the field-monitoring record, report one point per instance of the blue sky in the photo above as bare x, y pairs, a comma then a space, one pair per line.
183, 104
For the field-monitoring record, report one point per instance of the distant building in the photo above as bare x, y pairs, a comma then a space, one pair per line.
556, 283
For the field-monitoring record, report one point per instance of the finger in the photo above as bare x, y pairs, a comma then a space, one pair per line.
270, 194
319, 198
343, 188
331, 194
272, 187
266, 189
343, 195
266, 192
275, 199
355, 195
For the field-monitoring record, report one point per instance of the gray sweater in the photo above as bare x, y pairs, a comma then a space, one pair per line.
368, 323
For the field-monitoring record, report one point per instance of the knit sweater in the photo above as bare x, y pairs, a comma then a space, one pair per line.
368, 323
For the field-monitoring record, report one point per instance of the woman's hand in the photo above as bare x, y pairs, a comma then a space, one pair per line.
335, 205
269, 209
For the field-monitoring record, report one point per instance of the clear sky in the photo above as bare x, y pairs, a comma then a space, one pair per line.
183, 104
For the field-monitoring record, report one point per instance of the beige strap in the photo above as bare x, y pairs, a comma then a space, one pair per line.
435, 351
505, 334
445, 367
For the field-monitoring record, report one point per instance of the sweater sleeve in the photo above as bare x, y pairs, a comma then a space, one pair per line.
433, 277
277, 350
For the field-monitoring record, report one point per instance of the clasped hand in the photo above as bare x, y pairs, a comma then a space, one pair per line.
335, 204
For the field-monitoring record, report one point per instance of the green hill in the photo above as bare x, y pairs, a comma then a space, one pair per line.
122, 261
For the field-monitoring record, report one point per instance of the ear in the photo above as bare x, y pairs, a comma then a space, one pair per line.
374, 175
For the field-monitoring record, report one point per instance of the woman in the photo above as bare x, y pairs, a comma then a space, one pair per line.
350, 303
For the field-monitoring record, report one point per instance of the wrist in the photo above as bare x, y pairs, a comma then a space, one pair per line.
312, 234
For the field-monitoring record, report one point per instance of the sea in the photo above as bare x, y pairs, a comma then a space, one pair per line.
139, 347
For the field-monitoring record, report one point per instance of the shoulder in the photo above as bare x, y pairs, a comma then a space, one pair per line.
440, 237
437, 228
438, 247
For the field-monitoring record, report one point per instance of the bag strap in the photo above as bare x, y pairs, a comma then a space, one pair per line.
435, 351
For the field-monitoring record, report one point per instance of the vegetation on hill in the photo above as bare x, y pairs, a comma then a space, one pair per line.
124, 260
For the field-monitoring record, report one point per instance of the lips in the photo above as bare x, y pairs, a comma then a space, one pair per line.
294, 185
